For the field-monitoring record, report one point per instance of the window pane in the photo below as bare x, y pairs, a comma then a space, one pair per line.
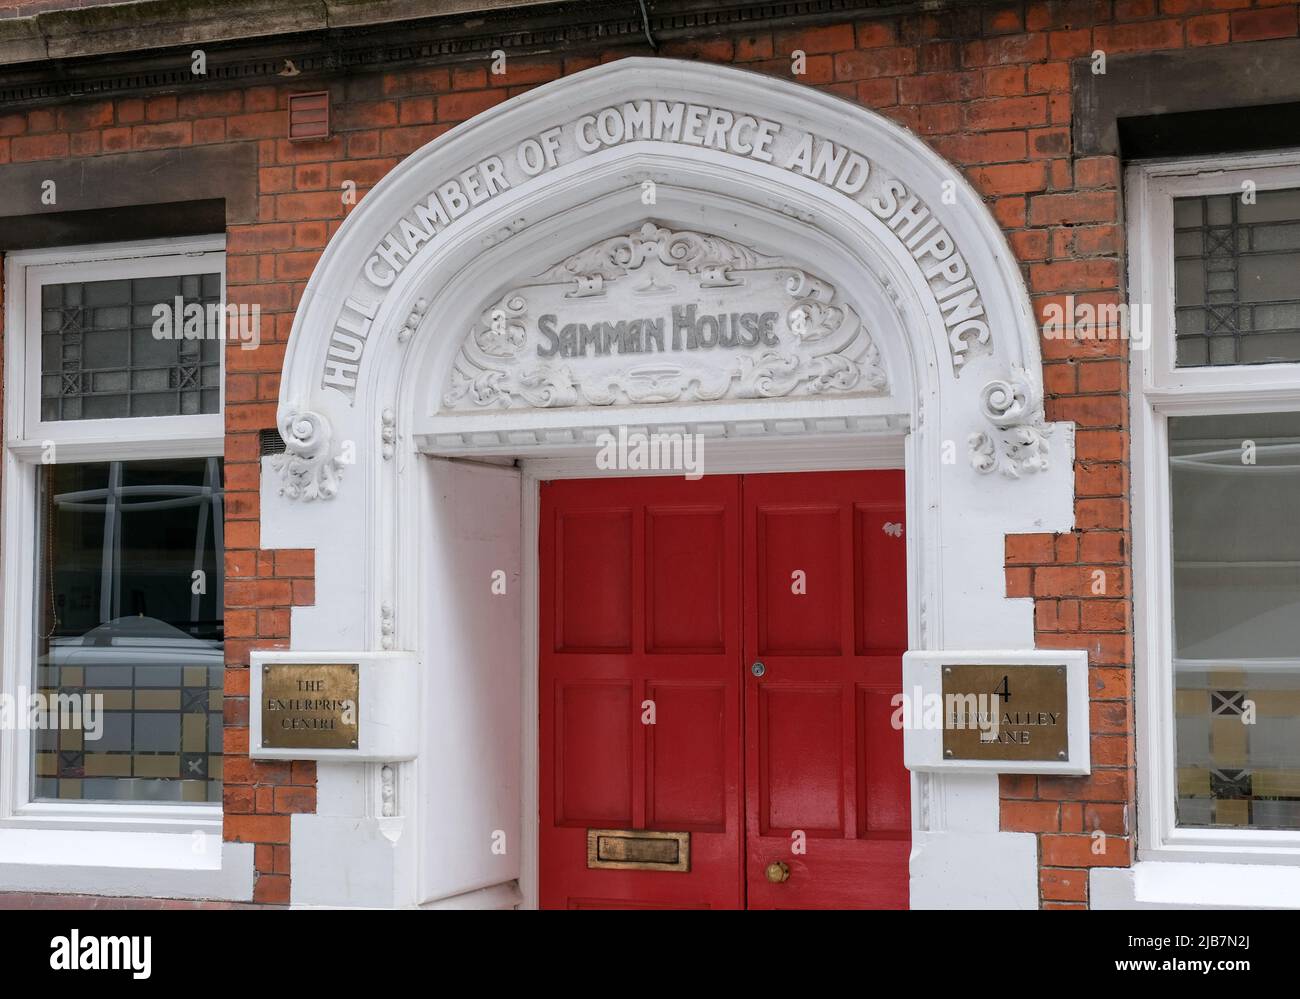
102, 359
1235, 481
131, 631
1237, 279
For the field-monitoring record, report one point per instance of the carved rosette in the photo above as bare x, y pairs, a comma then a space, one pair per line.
817, 344
1018, 442
309, 469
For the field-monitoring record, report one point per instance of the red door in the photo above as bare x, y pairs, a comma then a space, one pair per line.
640, 612
653, 716
826, 617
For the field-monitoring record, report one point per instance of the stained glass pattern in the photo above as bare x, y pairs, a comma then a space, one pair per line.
101, 358
1237, 278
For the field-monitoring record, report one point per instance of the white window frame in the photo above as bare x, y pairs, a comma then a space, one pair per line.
1160, 390
78, 441
26, 273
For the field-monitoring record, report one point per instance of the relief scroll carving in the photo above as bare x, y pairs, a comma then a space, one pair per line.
657, 316
1018, 442
309, 469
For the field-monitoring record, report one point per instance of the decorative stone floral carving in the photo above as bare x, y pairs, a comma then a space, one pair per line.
694, 252
1018, 442
658, 316
413, 319
388, 433
309, 469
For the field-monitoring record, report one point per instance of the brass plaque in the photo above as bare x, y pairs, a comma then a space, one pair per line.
1005, 713
310, 706
638, 850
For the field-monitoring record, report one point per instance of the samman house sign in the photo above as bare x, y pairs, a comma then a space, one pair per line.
662, 316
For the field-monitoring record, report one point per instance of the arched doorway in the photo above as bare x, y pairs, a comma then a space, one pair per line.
430, 385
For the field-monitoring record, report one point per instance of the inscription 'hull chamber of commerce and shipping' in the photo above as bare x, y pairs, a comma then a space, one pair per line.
661, 316
849, 172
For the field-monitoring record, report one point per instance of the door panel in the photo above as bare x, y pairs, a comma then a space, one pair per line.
593, 773
688, 757
799, 767
640, 602
681, 543
880, 572
788, 540
883, 783
825, 612
593, 607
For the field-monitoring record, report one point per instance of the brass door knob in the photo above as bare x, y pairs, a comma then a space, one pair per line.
777, 871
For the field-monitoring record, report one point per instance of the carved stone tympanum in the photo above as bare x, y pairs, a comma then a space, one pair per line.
663, 316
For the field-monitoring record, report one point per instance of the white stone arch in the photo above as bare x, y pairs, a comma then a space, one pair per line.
980, 461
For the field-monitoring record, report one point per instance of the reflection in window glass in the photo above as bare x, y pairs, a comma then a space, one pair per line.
131, 605
1237, 279
1235, 481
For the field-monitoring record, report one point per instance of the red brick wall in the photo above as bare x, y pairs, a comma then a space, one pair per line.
986, 87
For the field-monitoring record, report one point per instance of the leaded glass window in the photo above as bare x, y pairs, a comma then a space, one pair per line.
104, 354
130, 619
1237, 278
1236, 574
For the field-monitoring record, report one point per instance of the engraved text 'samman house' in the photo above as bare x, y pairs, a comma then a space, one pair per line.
667, 454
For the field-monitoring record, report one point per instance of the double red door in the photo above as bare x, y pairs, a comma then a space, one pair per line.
718, 659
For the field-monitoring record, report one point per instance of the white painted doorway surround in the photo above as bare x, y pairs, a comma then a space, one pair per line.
405, 381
